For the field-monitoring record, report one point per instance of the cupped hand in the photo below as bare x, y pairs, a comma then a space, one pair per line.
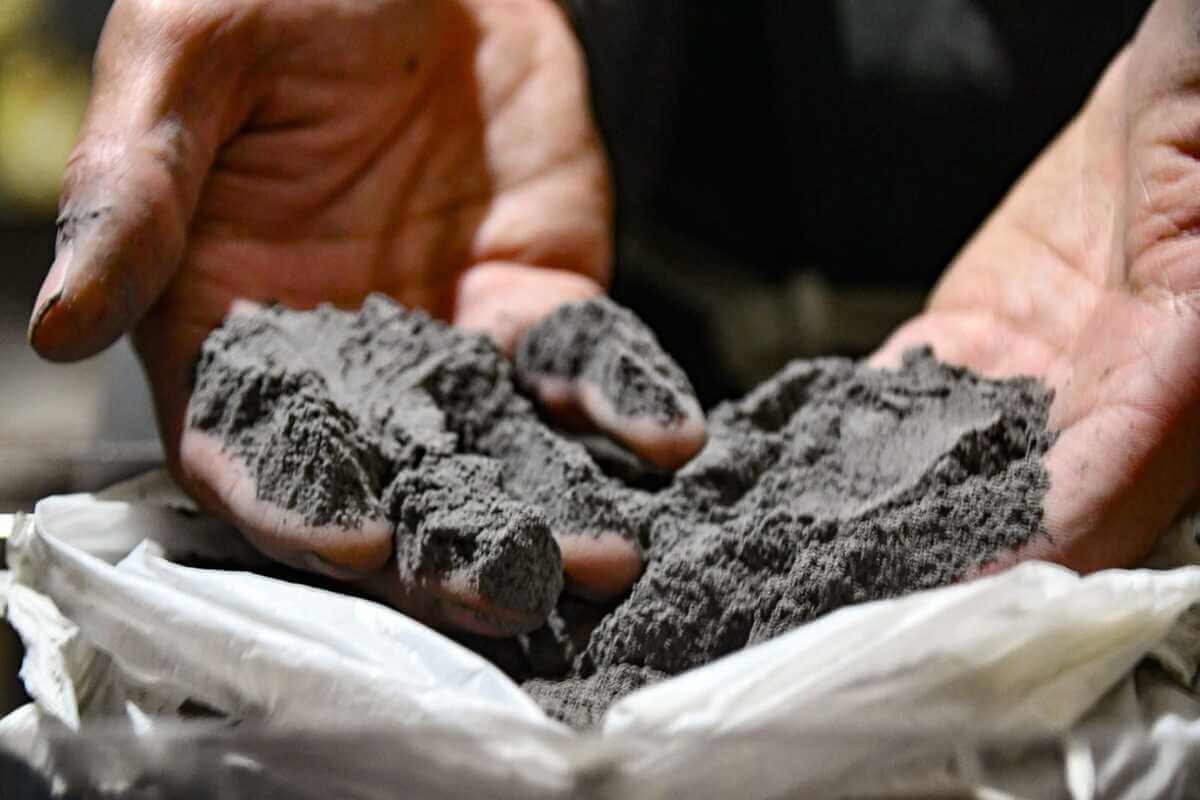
438, 151
1088, 276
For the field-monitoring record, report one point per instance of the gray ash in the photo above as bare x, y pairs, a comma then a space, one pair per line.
831, 484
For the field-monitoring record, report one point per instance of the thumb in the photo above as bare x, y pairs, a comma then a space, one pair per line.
161, 103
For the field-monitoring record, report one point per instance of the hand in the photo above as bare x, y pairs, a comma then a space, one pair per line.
439, 151
1088, 276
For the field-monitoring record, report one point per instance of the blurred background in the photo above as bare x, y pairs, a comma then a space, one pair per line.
61, 428
791, 178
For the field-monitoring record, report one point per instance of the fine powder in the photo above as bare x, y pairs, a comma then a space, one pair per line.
831, 484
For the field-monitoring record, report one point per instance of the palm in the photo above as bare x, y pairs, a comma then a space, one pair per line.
394, 165
359, 159
1086, 276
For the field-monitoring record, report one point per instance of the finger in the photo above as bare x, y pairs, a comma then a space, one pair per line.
479, 560
597, 359
667, 436
164, 97
599, 568
504, 300
271, 453
223, 485
448, 605
595, 568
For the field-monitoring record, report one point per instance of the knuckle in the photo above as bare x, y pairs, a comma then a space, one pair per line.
173, 29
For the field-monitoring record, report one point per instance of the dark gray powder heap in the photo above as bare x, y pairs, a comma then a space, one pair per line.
831, 484
609, 348
386, 414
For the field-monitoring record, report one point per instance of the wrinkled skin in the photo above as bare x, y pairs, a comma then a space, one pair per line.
441, 152
1088, 275
438, 151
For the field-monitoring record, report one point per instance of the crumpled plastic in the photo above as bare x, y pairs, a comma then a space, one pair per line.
155, 679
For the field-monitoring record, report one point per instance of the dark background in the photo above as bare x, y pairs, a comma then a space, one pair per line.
792, 177
810, 168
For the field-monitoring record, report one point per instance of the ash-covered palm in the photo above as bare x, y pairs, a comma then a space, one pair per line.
1089, 277
439, 151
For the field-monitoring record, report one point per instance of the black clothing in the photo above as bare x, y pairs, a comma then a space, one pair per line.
862, 139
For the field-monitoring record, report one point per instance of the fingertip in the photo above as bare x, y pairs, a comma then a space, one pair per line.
42, 330
68, 325
448, 605
600, 568
62, 332
460, 605
222, 485
557, 397
668, 445
672, 446
101, 282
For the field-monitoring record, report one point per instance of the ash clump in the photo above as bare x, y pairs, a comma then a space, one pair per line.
385, 414
607, 347
833, 483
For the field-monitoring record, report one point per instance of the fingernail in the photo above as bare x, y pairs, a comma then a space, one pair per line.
51, 292
317, 564
244, 308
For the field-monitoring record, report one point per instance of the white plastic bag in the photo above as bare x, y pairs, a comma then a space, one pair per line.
340, 695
